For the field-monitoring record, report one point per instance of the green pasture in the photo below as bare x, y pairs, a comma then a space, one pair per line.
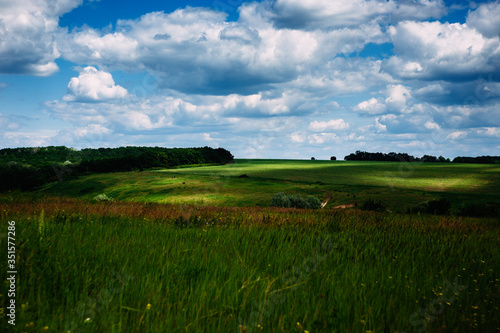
253, 182
249, 270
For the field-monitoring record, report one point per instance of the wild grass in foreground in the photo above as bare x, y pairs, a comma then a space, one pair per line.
135, 267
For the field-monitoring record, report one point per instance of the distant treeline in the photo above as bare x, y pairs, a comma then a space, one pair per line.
26, 168
403, 157
479, 159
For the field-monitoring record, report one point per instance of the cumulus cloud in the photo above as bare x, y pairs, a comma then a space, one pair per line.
328, 14
93, 85
397, 96
401, 124
373, 106
434, 50
321, 138
486, 19
195, 50
331, 125
29, 30
284, 75
396, 100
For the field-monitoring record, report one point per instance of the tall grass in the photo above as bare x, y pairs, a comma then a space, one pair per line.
135, 267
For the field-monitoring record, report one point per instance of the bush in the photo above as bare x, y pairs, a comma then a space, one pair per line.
439, 207
421, 208
489, 209
296, 201
373, 205
313, 202
102, 197
280, 200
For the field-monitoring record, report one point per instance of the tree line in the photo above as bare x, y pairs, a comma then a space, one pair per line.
404, 157
27, 168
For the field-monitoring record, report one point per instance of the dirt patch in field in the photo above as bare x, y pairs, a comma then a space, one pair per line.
344, 206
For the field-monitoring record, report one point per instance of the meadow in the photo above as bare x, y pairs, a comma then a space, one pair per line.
253, 182
164, 256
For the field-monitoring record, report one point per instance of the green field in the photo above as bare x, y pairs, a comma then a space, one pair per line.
139, 267
198, 249
398, 185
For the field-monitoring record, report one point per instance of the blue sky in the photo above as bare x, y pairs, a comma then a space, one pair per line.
267, 79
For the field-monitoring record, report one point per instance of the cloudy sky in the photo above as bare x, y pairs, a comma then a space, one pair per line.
265, 79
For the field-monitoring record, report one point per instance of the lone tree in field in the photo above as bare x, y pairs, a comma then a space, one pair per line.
333, 158
313, 159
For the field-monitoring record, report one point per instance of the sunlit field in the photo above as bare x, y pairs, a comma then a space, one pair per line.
145, 267
253, 182
199, 249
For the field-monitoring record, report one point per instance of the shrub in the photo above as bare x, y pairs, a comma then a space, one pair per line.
489, 209
373, 205
102, 197
313, 202
280, 200
439, 207
296, 201
421, 208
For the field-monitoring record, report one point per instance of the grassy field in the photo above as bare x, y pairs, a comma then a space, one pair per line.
143, 267
253, 182
200, 250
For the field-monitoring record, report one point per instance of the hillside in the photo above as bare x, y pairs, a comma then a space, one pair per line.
253, 182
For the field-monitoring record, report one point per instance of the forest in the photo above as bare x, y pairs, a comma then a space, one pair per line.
404, 157
27, 168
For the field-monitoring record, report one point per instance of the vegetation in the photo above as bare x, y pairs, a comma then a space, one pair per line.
407, 247
373, 205
393, 157
295, 201
479, 159
27, 168
397, 186
142, 267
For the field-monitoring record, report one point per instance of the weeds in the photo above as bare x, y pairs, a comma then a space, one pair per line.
201, 268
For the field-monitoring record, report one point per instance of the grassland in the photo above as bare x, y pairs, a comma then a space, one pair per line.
142, 267
253, 182
190, 250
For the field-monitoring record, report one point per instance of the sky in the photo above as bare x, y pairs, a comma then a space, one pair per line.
289, 79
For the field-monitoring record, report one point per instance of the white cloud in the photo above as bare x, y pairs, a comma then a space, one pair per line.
431, 125
373, 106
321, 138
457, 135
486, 19
396, 100
194, 50
26, 138
8, 124
328, 14
490, 131
434, 50
28, 35
433, 89
297, 137
397, 96
331, 125
93, 85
